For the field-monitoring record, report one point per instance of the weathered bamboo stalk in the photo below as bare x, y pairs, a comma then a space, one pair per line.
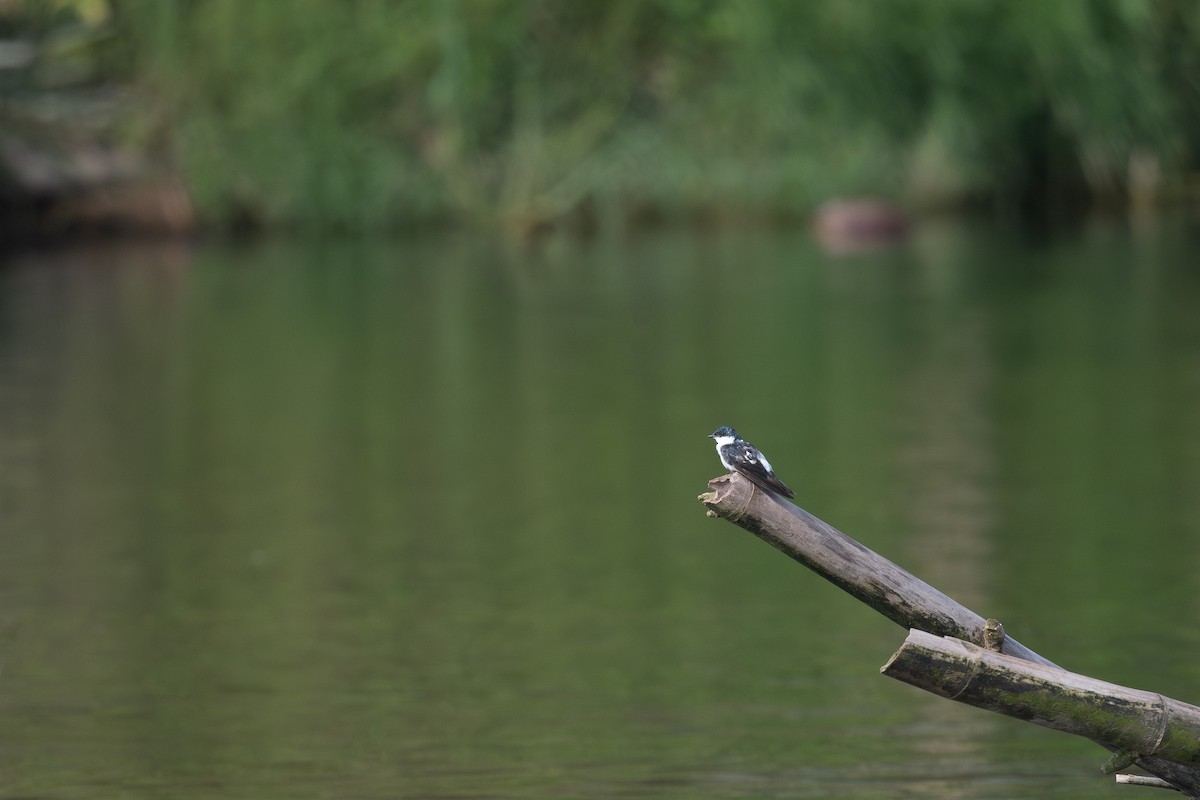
897, 594
1143, 723
885, 587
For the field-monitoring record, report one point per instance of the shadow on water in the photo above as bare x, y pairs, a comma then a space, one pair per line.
418, 520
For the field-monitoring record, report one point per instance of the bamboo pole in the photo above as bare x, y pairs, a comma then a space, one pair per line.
1130, 720
876, 581
897, 594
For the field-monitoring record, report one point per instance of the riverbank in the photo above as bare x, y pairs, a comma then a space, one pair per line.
217, 117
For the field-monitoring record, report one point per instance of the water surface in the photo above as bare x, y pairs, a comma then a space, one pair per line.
418, 519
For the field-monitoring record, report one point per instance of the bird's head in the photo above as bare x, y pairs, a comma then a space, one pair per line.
723, 432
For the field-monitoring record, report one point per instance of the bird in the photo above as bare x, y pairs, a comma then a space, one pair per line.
738, 455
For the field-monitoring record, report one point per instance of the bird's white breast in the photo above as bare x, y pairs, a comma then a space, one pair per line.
721, 442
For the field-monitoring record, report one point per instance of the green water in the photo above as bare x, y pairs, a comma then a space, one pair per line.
418, 520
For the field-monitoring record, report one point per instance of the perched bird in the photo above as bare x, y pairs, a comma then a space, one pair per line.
738, 455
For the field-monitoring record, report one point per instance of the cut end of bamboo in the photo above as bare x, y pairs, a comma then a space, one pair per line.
939, 664
719, 488
729, 496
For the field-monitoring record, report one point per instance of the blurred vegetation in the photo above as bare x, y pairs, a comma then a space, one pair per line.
369, 114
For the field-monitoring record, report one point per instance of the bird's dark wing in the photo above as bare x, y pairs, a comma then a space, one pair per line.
745, 459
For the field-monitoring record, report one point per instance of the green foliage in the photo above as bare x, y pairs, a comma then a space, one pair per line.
370, 113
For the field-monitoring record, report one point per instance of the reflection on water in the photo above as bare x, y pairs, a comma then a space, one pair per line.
419, 520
